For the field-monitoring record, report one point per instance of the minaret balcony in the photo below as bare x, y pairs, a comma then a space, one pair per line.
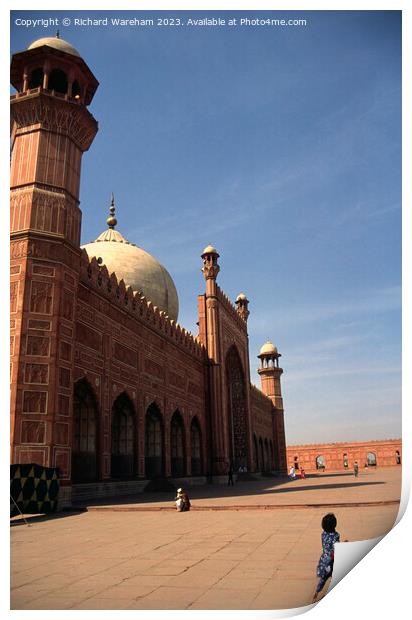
53, 93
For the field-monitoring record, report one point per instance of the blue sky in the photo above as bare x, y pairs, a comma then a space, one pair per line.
281, 147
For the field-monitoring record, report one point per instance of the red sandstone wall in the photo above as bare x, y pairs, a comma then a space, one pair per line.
385, 451
262, 427
121, 349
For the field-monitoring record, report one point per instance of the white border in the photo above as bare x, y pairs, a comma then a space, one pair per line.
378, 586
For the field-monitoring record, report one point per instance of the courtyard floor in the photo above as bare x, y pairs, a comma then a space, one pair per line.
251, 546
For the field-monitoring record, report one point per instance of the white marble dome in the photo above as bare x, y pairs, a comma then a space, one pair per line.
268, 349
56, 43
136, 267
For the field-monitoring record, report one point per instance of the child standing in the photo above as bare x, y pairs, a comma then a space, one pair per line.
329, 537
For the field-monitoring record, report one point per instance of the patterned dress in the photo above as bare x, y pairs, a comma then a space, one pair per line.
325, 565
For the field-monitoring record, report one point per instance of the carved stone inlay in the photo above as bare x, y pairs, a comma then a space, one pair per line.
34, 402
33, 431
38, 345
36, 373
236, 394
41, 297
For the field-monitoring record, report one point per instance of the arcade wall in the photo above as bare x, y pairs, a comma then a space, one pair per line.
123, 344
386, 452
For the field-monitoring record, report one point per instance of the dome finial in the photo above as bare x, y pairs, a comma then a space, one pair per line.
111, 220
58, 34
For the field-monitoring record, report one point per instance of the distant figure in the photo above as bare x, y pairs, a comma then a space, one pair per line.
182, 501
366, 466
302, 473
325, 565
230, 475
292, 474
356, 469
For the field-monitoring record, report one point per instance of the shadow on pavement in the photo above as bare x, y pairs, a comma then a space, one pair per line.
15, 521
276, 485
317, 487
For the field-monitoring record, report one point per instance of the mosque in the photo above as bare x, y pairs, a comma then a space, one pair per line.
106, 385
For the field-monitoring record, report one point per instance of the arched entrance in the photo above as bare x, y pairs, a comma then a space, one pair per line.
85, 433
371, 459
123, 438
177, 445
237, 412
196, 447
153, 442
320, 462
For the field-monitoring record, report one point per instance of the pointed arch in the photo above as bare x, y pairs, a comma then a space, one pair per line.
371, 459
320, 462
177, 445
123, 437
196, 447
154, 442
85, 433
237, 408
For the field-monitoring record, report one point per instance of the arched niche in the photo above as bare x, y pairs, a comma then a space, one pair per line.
85, 433
196, 448
320, 462
154, 443
177, 445
371, 459
123, 438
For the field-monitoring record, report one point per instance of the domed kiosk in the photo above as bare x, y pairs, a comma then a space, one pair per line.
56, 43
135, 266
268, 349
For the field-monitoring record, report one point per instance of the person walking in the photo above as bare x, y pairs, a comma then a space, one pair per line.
356, 469
292, 473
302, 473
325, 565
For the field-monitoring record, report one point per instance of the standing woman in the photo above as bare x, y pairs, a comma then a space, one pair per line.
329, 537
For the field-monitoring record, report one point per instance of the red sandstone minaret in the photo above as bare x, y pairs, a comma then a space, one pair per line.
270, 374
51, 129
209, 334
